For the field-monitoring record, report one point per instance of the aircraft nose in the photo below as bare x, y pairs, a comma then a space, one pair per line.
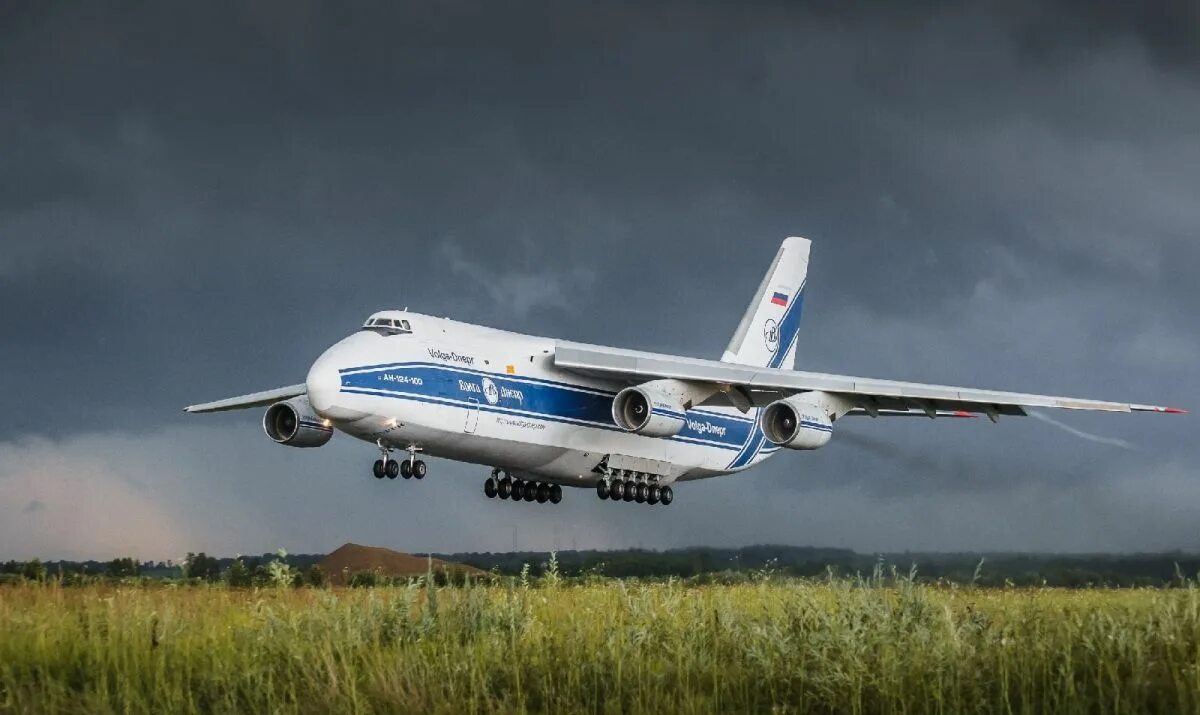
324, 382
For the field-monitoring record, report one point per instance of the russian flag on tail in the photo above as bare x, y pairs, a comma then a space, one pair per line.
779, 298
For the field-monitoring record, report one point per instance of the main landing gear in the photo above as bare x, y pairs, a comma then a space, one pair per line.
500, 484
385, 466
636, 488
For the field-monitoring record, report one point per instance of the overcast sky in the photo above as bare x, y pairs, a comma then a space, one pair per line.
196, 199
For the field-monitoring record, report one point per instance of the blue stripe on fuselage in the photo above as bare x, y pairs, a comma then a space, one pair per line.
530, 397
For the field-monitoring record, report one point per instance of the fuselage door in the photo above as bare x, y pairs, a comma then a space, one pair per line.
472, 416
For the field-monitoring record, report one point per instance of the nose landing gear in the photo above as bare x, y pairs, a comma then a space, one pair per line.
385, 466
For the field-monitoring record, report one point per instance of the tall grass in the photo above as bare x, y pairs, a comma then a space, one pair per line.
603, 647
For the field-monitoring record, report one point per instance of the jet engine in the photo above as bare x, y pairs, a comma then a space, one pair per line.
294, 424
648, 410
802, 421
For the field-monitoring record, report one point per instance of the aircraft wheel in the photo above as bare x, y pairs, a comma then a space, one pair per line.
555, 494
667, 496
530, 491
489, 488
377, 469
602, 489
518, 490
406, 469
392, 469
543, 493
616, 489
628, 491
653, 494
504, 488
639, 493
419, 469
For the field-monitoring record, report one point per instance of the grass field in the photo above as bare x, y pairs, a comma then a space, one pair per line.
604, 646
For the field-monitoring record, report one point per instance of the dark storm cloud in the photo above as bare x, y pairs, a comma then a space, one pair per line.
195, 199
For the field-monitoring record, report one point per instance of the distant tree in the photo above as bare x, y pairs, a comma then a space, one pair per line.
239, 575
201, 566
315, 576
34, 570
122, 568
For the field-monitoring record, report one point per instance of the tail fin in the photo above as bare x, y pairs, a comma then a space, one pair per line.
766, 337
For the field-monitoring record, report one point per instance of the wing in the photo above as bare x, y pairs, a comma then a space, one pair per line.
747, 385
256, 399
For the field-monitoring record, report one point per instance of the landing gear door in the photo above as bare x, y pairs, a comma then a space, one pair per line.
472, 416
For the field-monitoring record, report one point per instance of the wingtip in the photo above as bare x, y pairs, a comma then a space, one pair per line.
1159, 409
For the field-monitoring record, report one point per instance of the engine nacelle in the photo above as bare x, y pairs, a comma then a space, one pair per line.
800, 422
294, 424
648, 409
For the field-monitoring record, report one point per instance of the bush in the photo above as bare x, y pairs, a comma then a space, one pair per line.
277, 573
365, 579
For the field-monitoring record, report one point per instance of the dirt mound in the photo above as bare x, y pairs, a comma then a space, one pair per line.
350, 559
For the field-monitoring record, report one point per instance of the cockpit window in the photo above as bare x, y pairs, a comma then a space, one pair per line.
388, 326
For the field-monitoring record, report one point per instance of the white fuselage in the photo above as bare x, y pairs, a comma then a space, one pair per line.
485, 396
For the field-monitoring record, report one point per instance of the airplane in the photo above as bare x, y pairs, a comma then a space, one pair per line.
546, 414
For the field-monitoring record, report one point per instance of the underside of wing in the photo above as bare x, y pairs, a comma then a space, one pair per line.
256, 399
746, 385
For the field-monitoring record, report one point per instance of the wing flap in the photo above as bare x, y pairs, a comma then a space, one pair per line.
255, 399
955, 414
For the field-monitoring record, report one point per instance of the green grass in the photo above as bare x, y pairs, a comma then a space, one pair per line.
606, 646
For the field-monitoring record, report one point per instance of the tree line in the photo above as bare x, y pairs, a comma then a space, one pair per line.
699, 565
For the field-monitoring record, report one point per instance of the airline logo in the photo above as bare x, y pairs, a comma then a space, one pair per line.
771, 334
779, 298
438, 354
706, 427
490, 392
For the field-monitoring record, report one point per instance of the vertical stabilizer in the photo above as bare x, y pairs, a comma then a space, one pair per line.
766, 337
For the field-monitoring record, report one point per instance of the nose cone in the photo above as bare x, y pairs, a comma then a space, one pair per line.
324, 383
